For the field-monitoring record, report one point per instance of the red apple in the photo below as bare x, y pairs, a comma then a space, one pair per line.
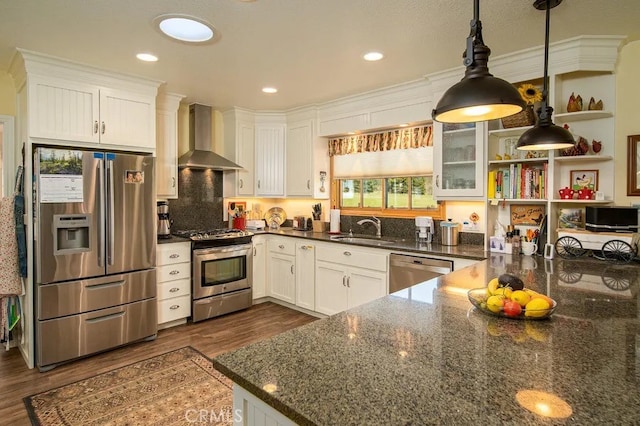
512, 308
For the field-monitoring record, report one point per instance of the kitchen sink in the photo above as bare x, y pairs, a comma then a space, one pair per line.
362, 240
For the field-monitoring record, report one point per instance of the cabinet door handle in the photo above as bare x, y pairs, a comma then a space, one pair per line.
258, 183
308, 184
173, 182
241, 183
281, 246
174, 289
95, 127
254, 252
103, 128
347, 253
174, 256
174, 272
343, 281
437, 181
174, 307
348, 282
292, 272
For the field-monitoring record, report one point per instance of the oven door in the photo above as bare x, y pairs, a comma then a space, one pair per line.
220, 270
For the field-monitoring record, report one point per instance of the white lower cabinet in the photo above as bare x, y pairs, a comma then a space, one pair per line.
173, 283
305, 275
259, 267
347, 277
281, 283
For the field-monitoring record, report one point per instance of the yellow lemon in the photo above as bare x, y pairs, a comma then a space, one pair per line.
522, 297
495, 303
492, 286
537, 307
503, 291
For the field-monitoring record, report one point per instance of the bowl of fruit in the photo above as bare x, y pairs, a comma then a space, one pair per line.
506, 296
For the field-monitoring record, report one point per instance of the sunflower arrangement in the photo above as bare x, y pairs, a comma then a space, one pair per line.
530, 93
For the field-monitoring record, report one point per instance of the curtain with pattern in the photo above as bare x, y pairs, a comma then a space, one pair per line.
410, 137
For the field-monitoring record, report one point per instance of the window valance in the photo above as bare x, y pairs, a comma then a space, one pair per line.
414, 137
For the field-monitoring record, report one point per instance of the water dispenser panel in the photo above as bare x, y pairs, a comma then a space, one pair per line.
71, 233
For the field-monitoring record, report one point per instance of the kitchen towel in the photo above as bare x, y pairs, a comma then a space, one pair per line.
334, 224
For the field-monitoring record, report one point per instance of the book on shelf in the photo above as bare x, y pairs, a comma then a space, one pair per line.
518, 181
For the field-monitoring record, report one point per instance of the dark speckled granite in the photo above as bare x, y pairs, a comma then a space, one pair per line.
425, 356
200, 204
402, 229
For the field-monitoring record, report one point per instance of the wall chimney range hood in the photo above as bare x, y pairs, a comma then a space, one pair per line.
200, 154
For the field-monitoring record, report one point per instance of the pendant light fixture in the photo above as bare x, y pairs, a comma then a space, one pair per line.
479, 96
545, 135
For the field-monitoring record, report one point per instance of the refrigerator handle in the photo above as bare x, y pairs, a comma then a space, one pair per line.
101, 213
110, 212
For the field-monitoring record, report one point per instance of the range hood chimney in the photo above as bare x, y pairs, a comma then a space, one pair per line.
200, 155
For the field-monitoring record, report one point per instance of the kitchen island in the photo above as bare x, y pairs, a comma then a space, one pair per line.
425, 356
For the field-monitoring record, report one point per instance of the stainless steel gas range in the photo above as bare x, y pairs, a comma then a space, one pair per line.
222, 271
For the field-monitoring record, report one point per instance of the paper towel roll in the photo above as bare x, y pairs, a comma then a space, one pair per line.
334, 221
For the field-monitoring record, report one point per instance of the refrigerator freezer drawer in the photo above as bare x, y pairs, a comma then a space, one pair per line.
64, 339
75, 297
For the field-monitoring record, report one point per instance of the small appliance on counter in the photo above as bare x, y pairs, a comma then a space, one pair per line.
301, 223
424, 229
255, 224
164, 224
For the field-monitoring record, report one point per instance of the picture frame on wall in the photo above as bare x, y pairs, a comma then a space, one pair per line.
633, 165
584, 179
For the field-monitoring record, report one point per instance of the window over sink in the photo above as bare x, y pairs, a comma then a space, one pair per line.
398, 196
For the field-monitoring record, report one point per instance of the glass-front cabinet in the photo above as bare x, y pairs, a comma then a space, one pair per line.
459, 164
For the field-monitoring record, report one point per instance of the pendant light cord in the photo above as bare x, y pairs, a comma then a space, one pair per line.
544, 113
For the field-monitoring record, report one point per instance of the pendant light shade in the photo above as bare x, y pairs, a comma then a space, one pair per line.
545, 135
479, 96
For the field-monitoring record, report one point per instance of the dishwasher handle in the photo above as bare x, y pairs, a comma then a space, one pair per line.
423, 263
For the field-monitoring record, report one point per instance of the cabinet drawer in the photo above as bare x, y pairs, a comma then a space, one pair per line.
176, 288
168, 254
281, 245
352, 257
174, 308
174, 272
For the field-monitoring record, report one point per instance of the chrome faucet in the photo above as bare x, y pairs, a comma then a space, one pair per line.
375, 221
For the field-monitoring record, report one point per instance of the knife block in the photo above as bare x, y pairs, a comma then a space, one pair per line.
318, 226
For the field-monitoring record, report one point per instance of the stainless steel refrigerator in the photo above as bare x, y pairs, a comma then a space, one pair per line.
95, 245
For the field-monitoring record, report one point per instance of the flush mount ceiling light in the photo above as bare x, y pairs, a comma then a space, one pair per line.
185, 28
147, 57
479, 96
545, 135
269, 90
373, 56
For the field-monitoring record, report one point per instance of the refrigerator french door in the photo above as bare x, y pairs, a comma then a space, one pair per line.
95, 245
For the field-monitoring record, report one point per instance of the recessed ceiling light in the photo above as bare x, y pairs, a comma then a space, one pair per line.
373, 56
269, 90
147, 57
185, 28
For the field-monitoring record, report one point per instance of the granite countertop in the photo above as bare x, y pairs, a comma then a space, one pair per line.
173, 239
466, 251
425, 356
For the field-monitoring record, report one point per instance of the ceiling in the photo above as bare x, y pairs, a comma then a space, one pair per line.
311, 50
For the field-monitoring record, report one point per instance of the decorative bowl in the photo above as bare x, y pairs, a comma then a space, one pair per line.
478, 298
566, 193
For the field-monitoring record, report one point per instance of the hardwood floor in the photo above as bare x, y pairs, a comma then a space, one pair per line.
211, 337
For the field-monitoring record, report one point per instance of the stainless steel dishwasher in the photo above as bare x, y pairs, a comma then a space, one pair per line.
405, 271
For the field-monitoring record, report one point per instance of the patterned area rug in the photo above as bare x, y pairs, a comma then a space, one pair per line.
176, 388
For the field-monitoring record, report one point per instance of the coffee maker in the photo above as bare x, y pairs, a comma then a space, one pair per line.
424, 229
164, 224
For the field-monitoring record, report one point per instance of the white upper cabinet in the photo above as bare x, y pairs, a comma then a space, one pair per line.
239, 147
270, 143
307, 161
458, 165
71, 102
167, 145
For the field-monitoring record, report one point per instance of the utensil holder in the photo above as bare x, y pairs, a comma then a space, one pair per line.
318, 226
